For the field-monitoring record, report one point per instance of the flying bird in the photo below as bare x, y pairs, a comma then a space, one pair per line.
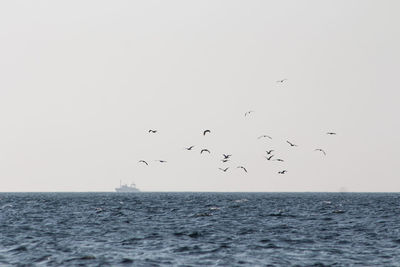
224, 170
291, 144
331, 133
204, 150
269, 158
241, 167
161, 161
281, 81
152, 131
189, 148
206, 131
319, 149
269, 151
282, 172
143, 162
226, 156
248, 113
279, 160
264, 136
224, 160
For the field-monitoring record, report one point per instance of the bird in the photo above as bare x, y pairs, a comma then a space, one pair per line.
204, 150
161, 161
269, 158
206, 131
152, 131
319, 149
269, 151
143, 162
281, 81
241, 167
226, 156
248, 113
291, 144
264, 135
282, 172
224, 160
224, 170
331, 133
189, 148
279, 160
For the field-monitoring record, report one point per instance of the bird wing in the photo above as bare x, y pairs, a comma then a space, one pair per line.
291, 143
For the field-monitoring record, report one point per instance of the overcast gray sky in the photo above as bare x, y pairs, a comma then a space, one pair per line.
81, 82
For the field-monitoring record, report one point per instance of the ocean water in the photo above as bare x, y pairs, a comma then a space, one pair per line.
199, 229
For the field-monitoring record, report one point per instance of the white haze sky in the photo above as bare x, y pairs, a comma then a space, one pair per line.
81, 83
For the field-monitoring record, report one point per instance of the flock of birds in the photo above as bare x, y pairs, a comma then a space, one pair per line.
226, 157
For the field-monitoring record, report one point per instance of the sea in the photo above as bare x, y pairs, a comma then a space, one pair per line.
199, 229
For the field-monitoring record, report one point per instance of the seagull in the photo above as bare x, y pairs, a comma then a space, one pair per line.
279, 160
282, 172
281, 81
248, 112
204, 150
226, 156
241, 167
161, 161
319, 149
189, 148
269, 151
152, 131
206, 131
224, 170
291, 144
269, 158
224, 160
331, 133
264, 136
143, 162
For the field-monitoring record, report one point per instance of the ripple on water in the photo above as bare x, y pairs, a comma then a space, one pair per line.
198, 229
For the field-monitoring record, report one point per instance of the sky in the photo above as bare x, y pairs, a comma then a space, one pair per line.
82, 82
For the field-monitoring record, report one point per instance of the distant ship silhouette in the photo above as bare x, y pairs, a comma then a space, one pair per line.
124, 188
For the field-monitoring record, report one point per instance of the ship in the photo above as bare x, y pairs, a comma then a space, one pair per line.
124, 188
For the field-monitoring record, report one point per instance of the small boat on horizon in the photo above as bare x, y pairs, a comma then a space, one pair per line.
125, 188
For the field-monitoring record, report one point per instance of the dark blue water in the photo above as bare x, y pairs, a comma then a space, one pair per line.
199, 229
